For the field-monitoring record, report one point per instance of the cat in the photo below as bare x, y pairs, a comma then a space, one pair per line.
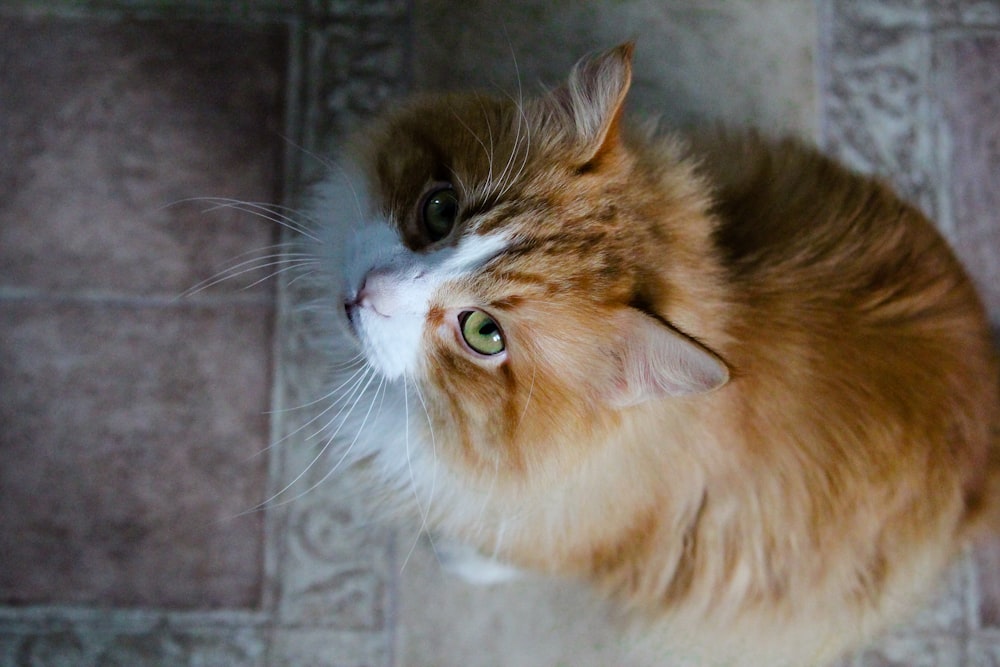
747, 394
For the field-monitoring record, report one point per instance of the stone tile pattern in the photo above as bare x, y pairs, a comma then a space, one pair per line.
329, 591
695, 62
334, 577
324, 592
348, 85
127, 417
911, 90
130, 417
80, 638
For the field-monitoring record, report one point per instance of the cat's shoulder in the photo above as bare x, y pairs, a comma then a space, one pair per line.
783, 196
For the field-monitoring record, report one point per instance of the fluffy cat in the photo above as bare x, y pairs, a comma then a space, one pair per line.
748, 394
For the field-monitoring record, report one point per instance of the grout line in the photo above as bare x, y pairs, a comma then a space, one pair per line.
111, 297
77, 614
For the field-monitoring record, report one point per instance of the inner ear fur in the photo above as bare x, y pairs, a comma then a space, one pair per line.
594, 97
655, 361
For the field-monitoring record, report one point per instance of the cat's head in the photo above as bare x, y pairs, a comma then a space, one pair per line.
516, 260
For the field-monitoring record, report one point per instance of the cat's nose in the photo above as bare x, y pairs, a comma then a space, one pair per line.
380, 293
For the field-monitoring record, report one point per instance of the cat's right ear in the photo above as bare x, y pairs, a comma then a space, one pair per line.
654, 361
594, 98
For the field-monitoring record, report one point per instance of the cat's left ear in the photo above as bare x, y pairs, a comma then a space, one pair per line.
655, 361
595, 96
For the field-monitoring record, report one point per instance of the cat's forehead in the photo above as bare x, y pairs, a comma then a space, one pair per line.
560, 233
443, 132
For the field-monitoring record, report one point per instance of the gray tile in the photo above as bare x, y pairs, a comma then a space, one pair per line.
76, 638
987, 560
976, 13
739, 62
535, 622
325, 648
127, 436
947, 612
968, 93
914, 651
984, 650
886, 13
59, 649
335, 571
107, 127
875, 114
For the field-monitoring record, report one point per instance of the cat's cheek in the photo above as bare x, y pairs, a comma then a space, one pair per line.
391, 344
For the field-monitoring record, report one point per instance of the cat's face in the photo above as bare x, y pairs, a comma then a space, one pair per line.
499, 258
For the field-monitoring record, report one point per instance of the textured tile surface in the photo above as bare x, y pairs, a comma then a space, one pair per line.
330, 578
968, 91
105, 638
987, 585
107, 128
128, 118
530, 623
984, 650
915, 651
875, 115
696, 62
126, 441
910, 92
129, 420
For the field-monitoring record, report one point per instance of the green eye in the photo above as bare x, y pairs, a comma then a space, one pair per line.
439, 213
481, 332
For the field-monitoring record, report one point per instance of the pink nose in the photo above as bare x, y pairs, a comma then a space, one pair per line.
381, 293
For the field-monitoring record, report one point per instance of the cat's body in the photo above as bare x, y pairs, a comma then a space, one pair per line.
750, 395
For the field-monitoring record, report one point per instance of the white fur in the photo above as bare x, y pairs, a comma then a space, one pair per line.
386, 419
468, 564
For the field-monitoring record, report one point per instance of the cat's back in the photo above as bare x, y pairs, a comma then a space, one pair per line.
782, 206
847, 295
795, 229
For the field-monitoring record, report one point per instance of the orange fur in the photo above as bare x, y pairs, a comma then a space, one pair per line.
786, 515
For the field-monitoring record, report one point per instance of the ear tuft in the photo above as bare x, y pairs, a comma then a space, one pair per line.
656, 361
595, 96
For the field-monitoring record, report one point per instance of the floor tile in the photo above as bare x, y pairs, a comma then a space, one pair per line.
968, 91
126, 445
736, 62
874, 115
914, 651
984, 650
108, 127
536, 622
987, 558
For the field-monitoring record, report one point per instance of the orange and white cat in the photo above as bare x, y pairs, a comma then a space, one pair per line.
748, 394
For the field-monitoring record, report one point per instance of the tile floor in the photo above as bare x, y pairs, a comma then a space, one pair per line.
131, 415
129, 419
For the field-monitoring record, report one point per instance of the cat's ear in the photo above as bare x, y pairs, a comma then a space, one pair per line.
655, 361
594, 96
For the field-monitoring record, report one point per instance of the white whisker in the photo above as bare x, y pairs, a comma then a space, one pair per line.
413, 481
323, 160
380, 388
257, 263
275, 274
356, 361
270, 212
330, 407
434, 464
269, 503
